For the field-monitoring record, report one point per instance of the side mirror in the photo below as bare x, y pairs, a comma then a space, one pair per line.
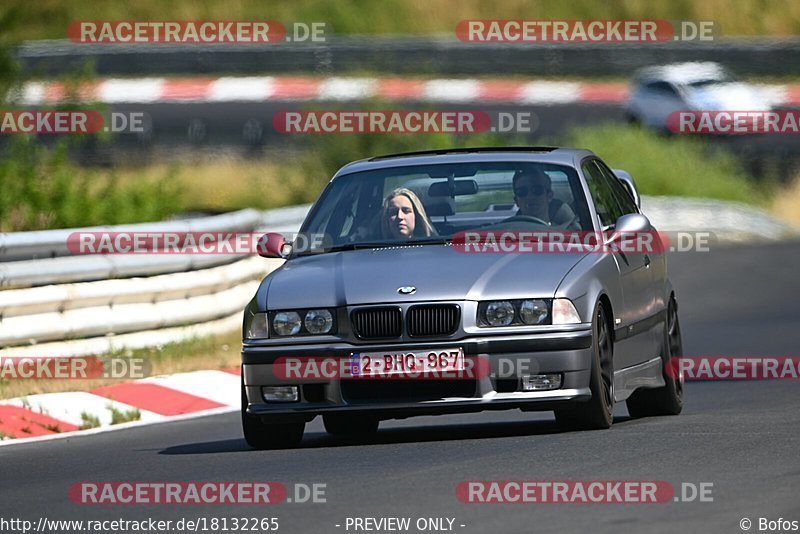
630, 186
630, 225
273, 245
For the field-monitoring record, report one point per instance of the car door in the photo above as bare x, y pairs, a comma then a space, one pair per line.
659, 99
633, 345
655, 259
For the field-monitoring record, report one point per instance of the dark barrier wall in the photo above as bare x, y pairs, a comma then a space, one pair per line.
407, 55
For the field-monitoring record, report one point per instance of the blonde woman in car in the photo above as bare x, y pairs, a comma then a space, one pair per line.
404, 216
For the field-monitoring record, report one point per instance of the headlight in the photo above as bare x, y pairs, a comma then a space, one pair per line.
286, 323
256, 326
318, 321
533, 311
521, 312
499, 313
303, 322
564, 312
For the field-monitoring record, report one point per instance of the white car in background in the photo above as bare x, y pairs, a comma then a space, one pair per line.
703, 86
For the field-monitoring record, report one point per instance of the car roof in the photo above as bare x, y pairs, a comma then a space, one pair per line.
682, 73
556, 155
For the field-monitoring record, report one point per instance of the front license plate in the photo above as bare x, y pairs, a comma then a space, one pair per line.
407, 363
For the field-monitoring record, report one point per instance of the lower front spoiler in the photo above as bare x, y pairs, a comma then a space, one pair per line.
504, 361
533, 401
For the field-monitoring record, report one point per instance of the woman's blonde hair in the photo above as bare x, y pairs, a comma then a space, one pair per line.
422, 225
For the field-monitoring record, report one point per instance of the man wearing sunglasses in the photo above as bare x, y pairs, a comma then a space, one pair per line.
533, 194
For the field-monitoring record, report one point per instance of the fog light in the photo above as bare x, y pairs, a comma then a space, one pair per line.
541, 382
280, 393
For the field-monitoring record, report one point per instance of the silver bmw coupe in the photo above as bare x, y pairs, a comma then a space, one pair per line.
458, 281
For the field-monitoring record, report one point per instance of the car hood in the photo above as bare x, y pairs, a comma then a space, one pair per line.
438, 272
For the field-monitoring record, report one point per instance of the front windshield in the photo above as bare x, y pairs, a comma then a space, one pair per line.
720, 78
432, 203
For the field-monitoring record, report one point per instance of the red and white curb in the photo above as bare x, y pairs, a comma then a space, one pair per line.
161, 398
299, 88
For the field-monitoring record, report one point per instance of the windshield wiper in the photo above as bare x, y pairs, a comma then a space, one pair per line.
343, 247
375, 244
358, 245
435, 241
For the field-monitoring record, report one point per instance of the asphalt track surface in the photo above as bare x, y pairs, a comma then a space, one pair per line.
740, 436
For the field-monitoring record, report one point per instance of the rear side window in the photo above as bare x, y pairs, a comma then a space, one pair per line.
621, 194
605, 201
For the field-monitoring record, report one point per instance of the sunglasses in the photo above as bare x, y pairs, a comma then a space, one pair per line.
537, 190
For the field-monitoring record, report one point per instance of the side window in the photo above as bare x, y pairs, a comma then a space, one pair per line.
341, 219
342, 206
624, 198
662, 88
605, 202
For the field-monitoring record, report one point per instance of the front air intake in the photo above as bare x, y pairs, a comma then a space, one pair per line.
432, 320
377, 323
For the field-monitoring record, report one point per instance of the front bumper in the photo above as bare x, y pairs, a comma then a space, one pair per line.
506, 358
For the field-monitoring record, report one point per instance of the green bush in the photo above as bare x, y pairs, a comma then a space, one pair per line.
89, 421
675, 165
119, 416
49, 19
42, 189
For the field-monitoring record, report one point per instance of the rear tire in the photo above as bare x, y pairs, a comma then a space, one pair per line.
666, 400
260, 435
349, 425
598, 413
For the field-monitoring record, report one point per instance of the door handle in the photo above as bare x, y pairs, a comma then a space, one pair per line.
647, 261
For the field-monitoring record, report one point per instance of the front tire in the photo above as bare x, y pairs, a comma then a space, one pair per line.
598, 413
263, 436
666, 400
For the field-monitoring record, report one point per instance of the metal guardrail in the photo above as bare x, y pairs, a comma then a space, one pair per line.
123, 343
86, 268
53, 243
124, 318
40, 258
405, 55
170, 306
114, 293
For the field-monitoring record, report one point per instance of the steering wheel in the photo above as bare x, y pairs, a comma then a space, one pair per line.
527, 218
